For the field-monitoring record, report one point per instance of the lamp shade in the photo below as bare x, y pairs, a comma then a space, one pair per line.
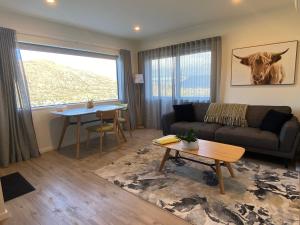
138, 78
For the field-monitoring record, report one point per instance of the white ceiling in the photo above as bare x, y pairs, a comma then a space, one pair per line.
117, 17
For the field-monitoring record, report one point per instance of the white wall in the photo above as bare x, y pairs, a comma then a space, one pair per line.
276, 26
34, 30
268, 27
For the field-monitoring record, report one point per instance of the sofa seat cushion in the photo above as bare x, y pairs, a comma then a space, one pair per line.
247, 137
204, 131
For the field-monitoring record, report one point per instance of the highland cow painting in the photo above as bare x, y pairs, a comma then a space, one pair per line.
271, 64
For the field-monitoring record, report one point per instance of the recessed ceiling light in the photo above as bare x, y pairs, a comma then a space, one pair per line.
236, 2
51, 2
137, 28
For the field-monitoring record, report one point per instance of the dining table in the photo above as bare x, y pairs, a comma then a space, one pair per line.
77, 114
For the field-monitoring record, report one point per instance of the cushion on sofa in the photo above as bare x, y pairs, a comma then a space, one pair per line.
247, 137
256, 113
200, 111
274, 121
203, 130
184, 112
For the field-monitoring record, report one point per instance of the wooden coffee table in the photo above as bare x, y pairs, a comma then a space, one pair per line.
222, 154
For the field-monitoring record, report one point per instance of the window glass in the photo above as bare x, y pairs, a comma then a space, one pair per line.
195, 74
56, 78
186, 77
162, 77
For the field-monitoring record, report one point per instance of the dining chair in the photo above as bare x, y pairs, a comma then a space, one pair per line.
105, 126
124, 118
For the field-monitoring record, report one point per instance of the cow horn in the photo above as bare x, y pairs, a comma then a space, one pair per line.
239, 57
281, 53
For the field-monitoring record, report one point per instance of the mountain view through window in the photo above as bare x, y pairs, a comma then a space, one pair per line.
55, 78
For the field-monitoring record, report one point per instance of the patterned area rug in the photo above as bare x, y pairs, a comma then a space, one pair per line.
259, 194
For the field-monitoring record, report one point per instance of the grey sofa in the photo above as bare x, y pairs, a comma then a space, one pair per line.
251, 138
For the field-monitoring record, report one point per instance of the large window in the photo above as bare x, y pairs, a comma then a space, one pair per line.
182, 77
61, 76
162, 77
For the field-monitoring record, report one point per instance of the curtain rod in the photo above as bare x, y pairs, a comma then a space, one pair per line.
68, 41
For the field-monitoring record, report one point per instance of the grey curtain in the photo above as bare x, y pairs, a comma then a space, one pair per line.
186, 72
17, 136
126, 84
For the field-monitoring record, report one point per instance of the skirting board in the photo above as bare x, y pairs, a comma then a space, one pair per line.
68, 143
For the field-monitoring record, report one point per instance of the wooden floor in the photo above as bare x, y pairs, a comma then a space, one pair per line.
68, 192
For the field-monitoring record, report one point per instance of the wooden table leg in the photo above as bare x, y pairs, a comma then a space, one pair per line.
165, 158
220, 177
66, 124
78, 137
176, 154
229, 168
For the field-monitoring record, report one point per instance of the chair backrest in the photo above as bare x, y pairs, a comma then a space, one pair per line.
125, 107
108, 115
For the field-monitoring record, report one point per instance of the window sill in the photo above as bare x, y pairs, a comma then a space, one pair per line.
72, 105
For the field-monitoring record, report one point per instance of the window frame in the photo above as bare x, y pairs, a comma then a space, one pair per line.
74, 52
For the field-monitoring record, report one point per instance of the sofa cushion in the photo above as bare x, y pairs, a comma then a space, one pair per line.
274, 121
184, 112
247, 137
202, 130
200, 111
256, 113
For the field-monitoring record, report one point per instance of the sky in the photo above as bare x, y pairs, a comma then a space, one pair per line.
105, 67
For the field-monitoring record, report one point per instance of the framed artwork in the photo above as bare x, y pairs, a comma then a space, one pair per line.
271, 64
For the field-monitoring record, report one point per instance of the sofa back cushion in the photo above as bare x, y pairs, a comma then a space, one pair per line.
256, 113
200, 111
274, 121
184, 112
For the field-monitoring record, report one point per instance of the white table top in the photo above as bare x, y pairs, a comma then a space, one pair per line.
85, 111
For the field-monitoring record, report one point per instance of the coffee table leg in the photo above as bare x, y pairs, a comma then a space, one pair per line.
220, 177
229, 168
176, 154
165, 158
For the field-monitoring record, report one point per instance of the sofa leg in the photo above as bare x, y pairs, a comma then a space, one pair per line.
286, 163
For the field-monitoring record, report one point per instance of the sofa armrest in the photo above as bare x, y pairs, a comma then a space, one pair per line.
166, 122
288, 135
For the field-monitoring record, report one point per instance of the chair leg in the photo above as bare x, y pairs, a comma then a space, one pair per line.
101, 141
122, 133
128, 123
129, 127
118, 129
88, 139
116, 132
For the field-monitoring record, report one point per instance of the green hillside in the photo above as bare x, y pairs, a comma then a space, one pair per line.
50, 83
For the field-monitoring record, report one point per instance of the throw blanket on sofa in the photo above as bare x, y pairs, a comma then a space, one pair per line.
227, 114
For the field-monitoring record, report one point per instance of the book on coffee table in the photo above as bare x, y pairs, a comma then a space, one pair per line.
166, 140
